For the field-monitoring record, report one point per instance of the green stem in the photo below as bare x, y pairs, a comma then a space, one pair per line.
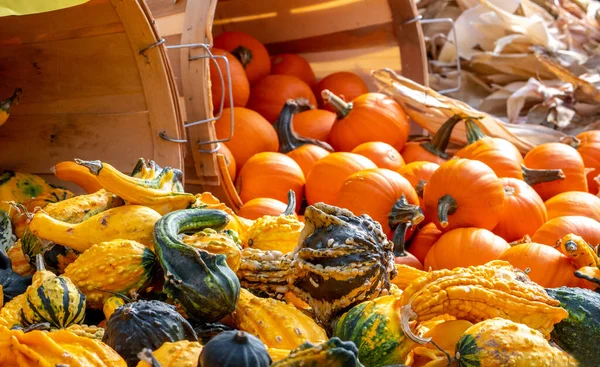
7, 103
420, 187
341, 107
446, 206
474, 133
291, 206
571, 140
589, 278
94, 166
403, 216
288, 139
243, 54
537, 176
439, 143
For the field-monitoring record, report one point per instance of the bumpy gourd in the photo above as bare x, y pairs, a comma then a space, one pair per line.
482, 292
374, 326
130, 222
117, 266
206, 200
12, 283
578, 251
265, 272
276, 323
183, 353
215, 242
150, 170
406, 274
87, 331
332, 353
53, 299
234, 348
201, 283
7, 239
20, 218
10, 313
500, 342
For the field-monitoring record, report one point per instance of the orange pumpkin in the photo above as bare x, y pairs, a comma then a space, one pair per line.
558, 156
370, 117
328, 174
408, 259
229, 159
259, 207
418, 174
434, 150
345, 84
524, 210
314, 124
464, 193
270, 175
382, 154
295, 65
240, 87
307, 155
248, 50
462, 247
269, 94
252, 134
588, 146
574, 203
423, 240
555, 229
547, 266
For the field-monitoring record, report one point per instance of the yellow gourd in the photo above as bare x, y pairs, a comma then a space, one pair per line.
178, 354
405, 275
19, 187
10, 313
111, 304
215, 242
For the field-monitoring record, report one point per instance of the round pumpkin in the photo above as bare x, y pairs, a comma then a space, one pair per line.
523, 213
547, 266
248, 50
259, 207
380, 153
307, 155
370, 117
295, 65
462, 247
418, 174
408, 259
314, 124
240, 87
229, 159
345, 84
558, 156
433, 150
555, 229
252, 134
269, 94
270, 175
574, 203
588, 146
422, 241
328, 174
464, 193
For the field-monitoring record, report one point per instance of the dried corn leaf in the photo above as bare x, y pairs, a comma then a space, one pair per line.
516, 66
585, 91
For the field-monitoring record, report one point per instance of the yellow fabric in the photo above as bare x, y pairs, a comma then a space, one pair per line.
24, 7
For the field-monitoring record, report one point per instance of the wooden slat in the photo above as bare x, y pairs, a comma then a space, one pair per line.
162, 8
175, 59
115, 103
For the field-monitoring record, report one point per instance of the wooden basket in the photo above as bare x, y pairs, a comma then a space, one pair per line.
92, 88
334, 35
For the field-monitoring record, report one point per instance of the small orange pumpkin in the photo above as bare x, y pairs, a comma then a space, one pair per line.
588, 146
307, 155
345, 84
270, 175
229, 159
464, 193
423, 240
259, 207
574, 203
328, 174
418, 174
240, 87
433, 150
463, 247
314, 124
251, 53
369, 117
382, 154
295, 65
524, 211
555, 229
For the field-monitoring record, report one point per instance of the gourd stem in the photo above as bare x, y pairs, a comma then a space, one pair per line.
589, 278
537, 176
288, 139
243, 54
403, 216
439, 143
446, 206
147, 356
39, 262
342, 108
420, 187
5, 105
571, 140
291, 206
94, 166
474, 133
240, 337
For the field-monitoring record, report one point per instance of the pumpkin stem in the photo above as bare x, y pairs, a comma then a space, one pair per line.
147, 356
420, 187
537, 176
288, 139
7, 103
342, 108
291, 206
446, 206
571, 140
243, 54
525, 239
240, 337
39, 262
439, 143
94, 166
474, 133
401, 218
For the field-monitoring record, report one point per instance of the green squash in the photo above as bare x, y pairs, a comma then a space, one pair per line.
200, 282
154, 175
332, 353
7, 238
374, 327
578, 334
234, 348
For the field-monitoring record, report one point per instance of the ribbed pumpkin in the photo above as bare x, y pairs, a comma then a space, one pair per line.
229, 160
314, 124
434, 150
547, 266
252, 134
382, 154
463, 247
269, 94
464, 193
328, 174
588, 146
248, 50
574, 203
523, 213
117, 266
258, 207
295, 65
215, 242
369, 117
270, 175
183, 353
555, 229
558, 156
345, 84
276, 323
240, 87
375, 328
422, 241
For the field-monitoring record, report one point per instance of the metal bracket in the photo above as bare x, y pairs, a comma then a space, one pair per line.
420, 19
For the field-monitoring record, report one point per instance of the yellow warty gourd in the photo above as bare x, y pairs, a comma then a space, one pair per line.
10, 313
405, 275
215, 242
178, 354
280, 233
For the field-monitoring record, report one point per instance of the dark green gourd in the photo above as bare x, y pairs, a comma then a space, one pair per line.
201, 283
12, 283
234, 348
332, 353
7, 238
